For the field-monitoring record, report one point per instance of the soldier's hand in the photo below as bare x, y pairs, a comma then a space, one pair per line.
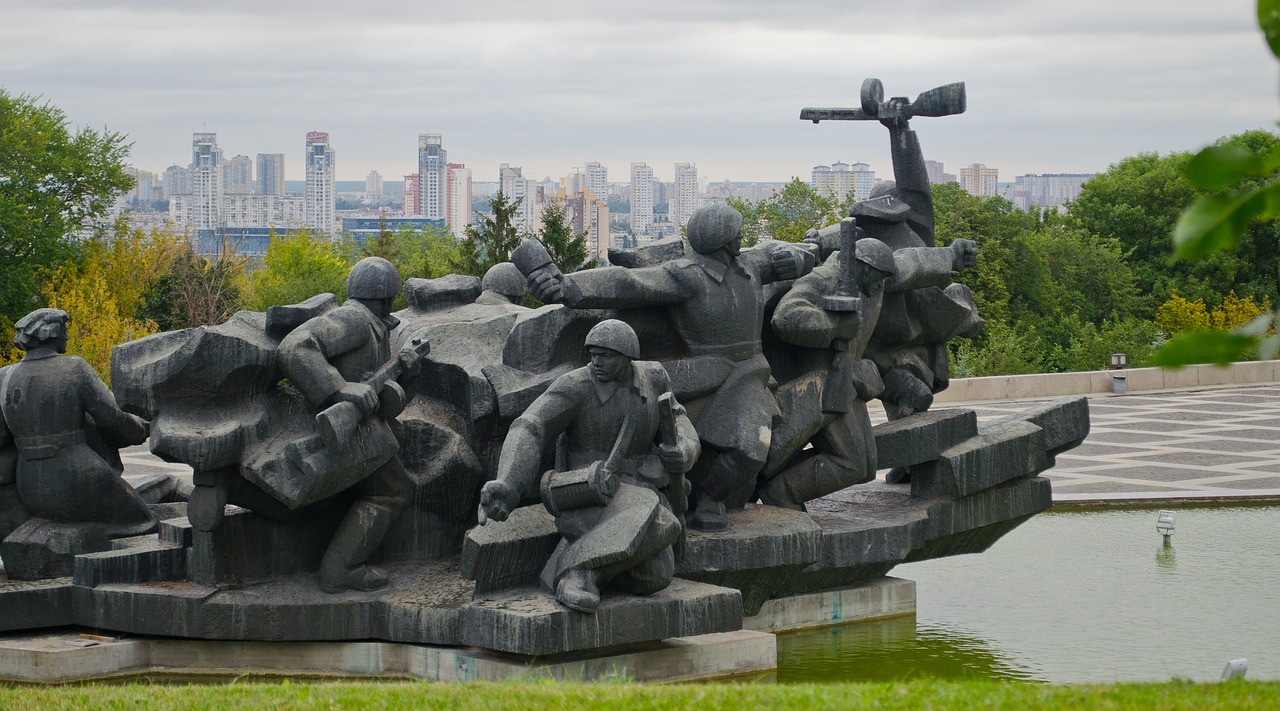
791, 263
848, 324
966, 254
497, 500
546, 286
672, 458
364, 397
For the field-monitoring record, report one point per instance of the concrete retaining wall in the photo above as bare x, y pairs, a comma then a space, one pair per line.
1008, 387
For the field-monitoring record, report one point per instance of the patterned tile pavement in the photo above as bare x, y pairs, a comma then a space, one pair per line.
1212, 443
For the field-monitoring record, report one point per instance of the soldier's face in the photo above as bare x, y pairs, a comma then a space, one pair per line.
607, 365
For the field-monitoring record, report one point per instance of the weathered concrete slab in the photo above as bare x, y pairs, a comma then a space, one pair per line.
1000, 452
881, 597
32, 604
530, 622
40, 549
922, 437
1065, 422
57, 658
135, 564
511, 553
762, 547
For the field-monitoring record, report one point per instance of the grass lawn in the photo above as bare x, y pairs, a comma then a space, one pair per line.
920, 694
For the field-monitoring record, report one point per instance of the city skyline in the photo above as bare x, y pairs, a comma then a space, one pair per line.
1064, 88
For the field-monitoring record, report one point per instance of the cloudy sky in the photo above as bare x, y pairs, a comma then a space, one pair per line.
1055, 87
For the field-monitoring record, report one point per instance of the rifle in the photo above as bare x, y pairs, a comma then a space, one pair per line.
677, 496
338, 422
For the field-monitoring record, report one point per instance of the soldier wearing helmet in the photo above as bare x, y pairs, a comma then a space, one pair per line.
715, 301
327, 358
910, 343
827, 381
611, 404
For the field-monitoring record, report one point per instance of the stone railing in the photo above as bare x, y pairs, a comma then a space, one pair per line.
1009, 387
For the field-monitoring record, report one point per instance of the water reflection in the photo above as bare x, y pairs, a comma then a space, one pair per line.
891, 650
1166, 557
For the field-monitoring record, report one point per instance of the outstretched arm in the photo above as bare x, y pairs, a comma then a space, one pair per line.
910, 175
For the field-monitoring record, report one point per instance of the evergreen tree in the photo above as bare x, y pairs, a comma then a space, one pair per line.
491, 239
567, 250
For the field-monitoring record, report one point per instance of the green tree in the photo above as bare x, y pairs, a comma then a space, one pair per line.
295, 268
491, 239
52, 183
567, 250
786, 215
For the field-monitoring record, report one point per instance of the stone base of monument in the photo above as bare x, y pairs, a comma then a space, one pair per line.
69, 655
876, 599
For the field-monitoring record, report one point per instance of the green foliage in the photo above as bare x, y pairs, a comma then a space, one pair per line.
295, 268
490, 240
567, 250
1241, 180
52, 183
787, 215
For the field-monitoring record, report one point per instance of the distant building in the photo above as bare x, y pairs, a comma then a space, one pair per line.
937, 175
458, 212
432, 176
1048, 190
270, 174
373, 183
364, 227
597, 180
206, 182
412, 194
516, 187
642, 194
685, 196
320, 212
237, 175
979, 180
177, 181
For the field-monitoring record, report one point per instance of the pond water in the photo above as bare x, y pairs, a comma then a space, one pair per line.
1076, 596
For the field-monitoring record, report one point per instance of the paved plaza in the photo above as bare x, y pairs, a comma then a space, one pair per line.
1204, 444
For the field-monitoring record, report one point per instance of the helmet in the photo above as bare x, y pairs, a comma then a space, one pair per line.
373, 278
504, 278
882, 203
876, 254
713, 227
616, 336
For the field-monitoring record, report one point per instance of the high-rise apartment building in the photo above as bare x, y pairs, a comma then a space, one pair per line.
515, 186
1049, 190
861, 179
432, 176
177, 181
412, 195
206, 182
979, 180
684, 199
936, 174
237, 176
458, 211
597, 180
270, 174
641, 198
373, 183
319, 201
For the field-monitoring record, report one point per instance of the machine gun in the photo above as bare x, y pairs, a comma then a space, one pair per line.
945, 100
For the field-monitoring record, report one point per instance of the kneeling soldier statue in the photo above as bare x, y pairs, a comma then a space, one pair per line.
618, 493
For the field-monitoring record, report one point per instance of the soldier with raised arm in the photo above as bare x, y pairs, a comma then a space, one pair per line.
715, 301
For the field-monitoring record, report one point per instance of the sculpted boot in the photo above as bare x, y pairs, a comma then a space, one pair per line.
359, 534
577, 590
